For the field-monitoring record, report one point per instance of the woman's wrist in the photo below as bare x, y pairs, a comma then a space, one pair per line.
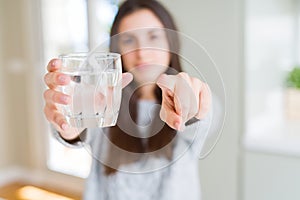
71, 133
69, 141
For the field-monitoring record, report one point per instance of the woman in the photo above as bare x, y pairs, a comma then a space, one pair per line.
136, 158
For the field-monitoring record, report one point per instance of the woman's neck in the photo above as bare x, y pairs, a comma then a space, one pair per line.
147, 92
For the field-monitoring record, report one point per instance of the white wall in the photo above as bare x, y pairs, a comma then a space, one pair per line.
218, 26
13, 77
2, 117
271, 177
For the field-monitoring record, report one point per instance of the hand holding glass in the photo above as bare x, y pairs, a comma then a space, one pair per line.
95, 89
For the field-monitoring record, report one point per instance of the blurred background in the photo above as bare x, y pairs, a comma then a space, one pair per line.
255, 44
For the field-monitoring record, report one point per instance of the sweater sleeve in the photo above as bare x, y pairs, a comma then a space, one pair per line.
200, 136
194, 135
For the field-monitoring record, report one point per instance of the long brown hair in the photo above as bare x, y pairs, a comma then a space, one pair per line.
116, 135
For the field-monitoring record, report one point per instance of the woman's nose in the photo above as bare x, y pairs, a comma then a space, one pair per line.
143, 53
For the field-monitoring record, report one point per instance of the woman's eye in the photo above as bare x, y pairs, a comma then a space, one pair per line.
127, 41
154, 37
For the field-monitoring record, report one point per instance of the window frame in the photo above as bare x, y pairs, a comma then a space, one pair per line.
264, 142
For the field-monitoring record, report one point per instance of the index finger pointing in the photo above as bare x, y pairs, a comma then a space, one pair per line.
166, 82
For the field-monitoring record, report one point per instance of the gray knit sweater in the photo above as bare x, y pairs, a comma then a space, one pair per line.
150, 177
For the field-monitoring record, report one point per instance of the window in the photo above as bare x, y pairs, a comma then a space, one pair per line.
272, 49
73, 26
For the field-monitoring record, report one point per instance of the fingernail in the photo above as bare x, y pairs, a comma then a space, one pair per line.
62, 79
64, 126
65, 99
54, 63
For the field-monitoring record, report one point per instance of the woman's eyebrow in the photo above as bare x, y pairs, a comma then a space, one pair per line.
125, 35
155, 31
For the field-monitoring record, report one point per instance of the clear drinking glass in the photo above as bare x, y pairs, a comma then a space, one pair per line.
95, 88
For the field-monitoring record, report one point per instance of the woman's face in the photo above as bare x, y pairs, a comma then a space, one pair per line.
144, 46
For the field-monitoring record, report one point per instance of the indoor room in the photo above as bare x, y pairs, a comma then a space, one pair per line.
248, 53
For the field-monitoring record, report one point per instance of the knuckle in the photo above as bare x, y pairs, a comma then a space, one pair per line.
57, 77
183, 74
47, 113
48, 117
45, 110
47, 94
60, 120
56, 97
46, 78
184, 78
56, 118
196, 81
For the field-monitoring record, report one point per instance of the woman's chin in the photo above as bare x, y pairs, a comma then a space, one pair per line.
146, 78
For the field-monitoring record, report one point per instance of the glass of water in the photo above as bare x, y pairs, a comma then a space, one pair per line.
95, 88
